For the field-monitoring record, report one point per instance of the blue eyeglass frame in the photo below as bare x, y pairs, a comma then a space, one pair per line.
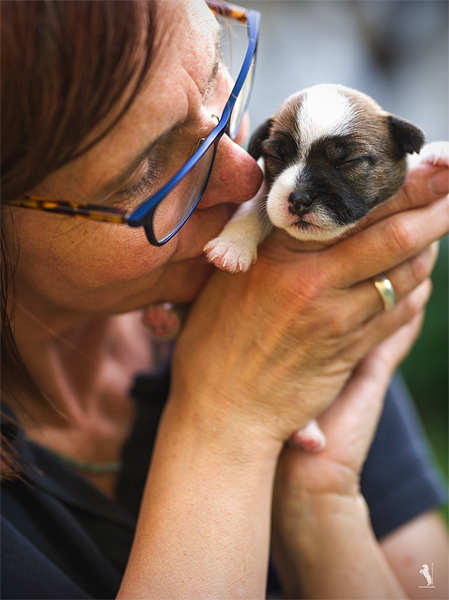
143, 215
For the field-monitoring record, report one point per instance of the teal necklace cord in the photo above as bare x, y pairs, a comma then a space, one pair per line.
114, 466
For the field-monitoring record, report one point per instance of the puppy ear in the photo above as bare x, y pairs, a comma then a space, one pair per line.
258, 137
409, 137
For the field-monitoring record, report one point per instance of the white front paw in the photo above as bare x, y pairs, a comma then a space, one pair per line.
235, 255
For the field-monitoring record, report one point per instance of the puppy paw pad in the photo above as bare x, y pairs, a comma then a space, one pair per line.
228, 256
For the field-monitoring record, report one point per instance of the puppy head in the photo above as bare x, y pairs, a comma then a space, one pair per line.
331, 154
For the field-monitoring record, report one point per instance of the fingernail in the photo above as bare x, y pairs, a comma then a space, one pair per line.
439, 183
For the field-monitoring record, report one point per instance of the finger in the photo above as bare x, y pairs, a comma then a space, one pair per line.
405, 277
386, 323
386, 244
365, 301
363, 396
360, 403
409, 275
425, 183
387, 355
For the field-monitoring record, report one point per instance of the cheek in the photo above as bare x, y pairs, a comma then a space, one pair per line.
120, 254
83, 257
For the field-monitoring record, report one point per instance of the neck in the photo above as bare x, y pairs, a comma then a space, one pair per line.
84, 372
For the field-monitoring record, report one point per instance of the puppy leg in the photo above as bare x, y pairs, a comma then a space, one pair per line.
309, 438
235, 249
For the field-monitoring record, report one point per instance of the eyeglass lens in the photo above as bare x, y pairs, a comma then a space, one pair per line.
241, 102
177, 206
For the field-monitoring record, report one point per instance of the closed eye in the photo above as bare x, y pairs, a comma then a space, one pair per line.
144, 187
355, 162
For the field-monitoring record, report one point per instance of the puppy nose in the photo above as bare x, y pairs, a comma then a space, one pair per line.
299, 203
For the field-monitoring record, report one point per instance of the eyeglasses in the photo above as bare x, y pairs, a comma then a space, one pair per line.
163, 214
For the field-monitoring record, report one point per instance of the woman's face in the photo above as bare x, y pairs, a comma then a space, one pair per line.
78, 266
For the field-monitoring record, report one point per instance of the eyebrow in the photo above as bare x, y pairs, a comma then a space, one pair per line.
115, 184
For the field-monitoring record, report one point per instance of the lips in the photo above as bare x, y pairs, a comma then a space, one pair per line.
306, 225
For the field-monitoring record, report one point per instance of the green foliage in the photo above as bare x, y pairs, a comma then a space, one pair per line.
427, 366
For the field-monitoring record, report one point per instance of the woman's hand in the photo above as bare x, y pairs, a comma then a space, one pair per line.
264, 352
320, 521
260, 355
349, 425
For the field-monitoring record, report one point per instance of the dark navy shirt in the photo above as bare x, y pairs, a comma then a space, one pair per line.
62, 538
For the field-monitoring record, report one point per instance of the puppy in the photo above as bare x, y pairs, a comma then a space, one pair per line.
330, 154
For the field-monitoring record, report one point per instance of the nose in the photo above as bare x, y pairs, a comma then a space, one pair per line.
235, 176
299, 202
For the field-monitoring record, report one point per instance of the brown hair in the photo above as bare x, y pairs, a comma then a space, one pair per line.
66, 67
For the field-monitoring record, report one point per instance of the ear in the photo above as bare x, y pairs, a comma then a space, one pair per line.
258, 137
409, 137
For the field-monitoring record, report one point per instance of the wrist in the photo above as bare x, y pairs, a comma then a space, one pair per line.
218, 431
302, 477
328, 535
315, 512
206, 510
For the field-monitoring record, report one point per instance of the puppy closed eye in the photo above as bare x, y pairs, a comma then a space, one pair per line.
281, 148
359, 162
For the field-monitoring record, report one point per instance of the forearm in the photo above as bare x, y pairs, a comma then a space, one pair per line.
204, 524
324, 547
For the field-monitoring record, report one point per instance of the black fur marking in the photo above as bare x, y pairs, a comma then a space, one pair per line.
257, 139
408, 137
280, 150
346, 178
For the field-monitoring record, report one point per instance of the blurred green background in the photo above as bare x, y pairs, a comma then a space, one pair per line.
426, 368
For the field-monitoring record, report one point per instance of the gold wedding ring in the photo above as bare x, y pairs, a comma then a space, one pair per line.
386, 291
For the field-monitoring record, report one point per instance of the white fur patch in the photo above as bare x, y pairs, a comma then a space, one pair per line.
324, 112
277, 202
323, 226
